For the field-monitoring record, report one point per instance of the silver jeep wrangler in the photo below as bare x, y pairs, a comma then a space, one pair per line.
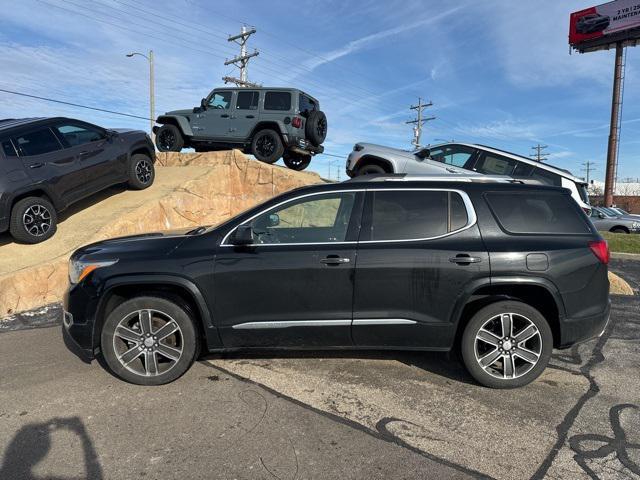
269, 123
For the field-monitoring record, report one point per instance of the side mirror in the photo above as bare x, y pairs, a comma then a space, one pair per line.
242, 236
110, 134
423, 153
274, 220
203, 104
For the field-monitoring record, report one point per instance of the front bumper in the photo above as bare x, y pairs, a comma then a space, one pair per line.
78, 319
577, 330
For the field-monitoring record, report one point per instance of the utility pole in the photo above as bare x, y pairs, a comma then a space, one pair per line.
588, 168
419, 121
242, 60
614, 128
539, 156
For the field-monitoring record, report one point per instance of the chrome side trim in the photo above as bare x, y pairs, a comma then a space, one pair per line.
383, 321
293, 323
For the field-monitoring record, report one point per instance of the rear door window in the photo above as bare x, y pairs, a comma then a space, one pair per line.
534, 212
37, 142
492, 164
247, 100
280, 101
8, 149
415, 214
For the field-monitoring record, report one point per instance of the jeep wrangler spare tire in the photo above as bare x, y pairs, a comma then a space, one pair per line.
169, 138
267, 146
316, 127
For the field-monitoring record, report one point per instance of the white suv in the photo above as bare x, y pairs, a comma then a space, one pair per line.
368, 158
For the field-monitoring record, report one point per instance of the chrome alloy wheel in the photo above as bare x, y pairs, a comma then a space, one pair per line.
508, 345
37, 220
143, 171
148, 342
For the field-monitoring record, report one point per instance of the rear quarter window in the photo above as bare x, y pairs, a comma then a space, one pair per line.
537, 213
280, 101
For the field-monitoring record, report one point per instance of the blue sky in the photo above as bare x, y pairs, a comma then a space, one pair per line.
498, 72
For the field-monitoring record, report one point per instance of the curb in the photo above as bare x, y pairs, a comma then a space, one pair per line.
626, 256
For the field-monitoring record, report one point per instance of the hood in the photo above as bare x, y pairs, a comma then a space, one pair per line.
180, 112
158, 242
381, 149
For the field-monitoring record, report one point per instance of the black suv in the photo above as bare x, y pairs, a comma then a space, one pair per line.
46, 164
502, 271
268, 123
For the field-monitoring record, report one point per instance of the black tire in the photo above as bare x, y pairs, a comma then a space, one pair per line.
267, 146
169, 138
296, 161
184, 339
523, 315
370, 169
619, 230
142, 172
33, 220
316, 127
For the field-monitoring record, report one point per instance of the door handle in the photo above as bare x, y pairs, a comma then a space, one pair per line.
334, 260
464, 259
224, 115
250, 116
83, 154
36, 165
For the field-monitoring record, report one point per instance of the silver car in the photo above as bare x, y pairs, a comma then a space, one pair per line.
606, 222
447, 158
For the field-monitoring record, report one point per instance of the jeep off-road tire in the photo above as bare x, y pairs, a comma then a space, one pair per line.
316, 127
149, 340
267, 146
506, 344
169, 138
33, 220
141, 172
296, 161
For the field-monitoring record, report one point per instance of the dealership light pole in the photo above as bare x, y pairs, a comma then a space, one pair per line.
152, 99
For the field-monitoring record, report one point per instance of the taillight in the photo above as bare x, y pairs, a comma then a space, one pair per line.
296, 122
600, 249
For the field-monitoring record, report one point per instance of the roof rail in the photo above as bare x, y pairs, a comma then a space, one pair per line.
456, 177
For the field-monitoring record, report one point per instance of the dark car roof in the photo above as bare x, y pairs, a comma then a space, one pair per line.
9, 124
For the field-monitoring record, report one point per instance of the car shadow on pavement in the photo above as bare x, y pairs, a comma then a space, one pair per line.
32, 444
445, 365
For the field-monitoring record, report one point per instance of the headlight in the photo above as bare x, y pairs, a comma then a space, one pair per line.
78, 269
635, 226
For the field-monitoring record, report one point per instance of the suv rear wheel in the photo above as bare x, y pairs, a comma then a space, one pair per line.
267, 146
149, 341
506, 345
296, 161
169, 138
33, 220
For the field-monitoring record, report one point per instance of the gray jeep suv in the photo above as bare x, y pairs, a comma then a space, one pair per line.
269, 123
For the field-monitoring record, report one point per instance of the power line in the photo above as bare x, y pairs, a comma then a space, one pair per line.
539, 156
241, 61
419, 121
72, 104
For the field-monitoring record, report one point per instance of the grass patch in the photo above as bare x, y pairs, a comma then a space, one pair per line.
622, 243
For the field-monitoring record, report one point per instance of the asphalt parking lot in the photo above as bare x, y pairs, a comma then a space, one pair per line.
319, 415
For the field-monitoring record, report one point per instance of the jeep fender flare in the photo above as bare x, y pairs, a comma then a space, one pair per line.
276, 125
210, 330
181, 122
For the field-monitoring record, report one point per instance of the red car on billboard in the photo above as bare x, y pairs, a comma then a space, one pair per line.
603, 20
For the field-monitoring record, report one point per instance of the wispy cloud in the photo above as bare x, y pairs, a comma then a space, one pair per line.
360, 43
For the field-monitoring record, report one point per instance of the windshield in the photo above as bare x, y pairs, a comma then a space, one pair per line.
611, 211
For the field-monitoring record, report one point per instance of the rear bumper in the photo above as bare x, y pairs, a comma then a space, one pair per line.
302, 146
577, 330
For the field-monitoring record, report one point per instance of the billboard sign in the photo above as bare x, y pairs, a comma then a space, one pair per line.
599, 27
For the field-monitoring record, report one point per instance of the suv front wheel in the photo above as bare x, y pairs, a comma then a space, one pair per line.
267, 146
149, 341
506, 345
33, 220
169, 138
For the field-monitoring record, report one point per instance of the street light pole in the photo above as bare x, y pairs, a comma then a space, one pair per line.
152, 96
